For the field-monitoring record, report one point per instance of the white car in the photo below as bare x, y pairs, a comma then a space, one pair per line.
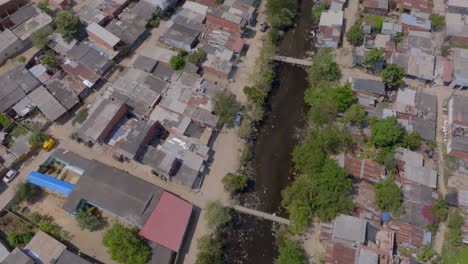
11, 174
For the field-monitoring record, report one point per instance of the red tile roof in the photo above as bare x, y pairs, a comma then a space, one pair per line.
447, 72
168, 222
363, 169
409, 234
338, 253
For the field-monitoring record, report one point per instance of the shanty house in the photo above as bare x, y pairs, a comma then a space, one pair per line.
16, 84
457, 138
456, 28
457, 7
101, 36
47, 103
369, 92
412, 22
330, 29
460, 67
378, 7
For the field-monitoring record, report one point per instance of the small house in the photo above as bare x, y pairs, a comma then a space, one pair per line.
457, 138
369, 91
378, 7
330, 29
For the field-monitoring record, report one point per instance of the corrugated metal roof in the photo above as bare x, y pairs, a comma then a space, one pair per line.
168, 222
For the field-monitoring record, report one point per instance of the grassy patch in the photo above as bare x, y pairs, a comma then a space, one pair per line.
18, 131
461, 257
80, 116
4, 120
460, 46
376, 20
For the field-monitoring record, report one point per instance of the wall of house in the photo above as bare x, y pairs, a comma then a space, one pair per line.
221, 22
99, 41
113, 123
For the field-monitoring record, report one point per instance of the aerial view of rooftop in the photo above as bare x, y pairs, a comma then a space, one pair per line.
233, 131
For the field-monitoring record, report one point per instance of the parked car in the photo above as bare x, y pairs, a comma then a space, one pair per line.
264, 27
10, 175
238, 118
48, 144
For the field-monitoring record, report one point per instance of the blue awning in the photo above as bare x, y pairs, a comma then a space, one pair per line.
50, 183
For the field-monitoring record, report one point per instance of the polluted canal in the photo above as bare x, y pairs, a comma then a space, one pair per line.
252, 240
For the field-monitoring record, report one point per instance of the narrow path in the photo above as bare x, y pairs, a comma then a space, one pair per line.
263, 215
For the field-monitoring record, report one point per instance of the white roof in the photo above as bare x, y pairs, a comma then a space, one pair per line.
457, 25
460, 3
103, 34
331, 18
349, 228
195, 7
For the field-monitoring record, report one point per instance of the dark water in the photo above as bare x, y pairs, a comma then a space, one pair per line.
251, 240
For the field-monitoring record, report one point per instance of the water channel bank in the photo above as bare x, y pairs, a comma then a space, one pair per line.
251, 240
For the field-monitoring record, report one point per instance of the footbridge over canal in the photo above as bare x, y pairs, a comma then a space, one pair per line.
293, 61
263, 215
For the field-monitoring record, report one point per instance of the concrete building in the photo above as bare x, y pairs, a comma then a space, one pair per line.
416, 64
457, 138
16, 84
103, 116
133, 142
101, 11
378, 7
47, 104
457, 7
102, 37
456, 28
330, 29
219, 61
460, 67
178, 159
62, 91
389, 28
184, 30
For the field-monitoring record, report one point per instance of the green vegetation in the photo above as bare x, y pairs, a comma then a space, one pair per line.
40, 38
156, 17
426, 253
281, 13
51, 59
317, 11
387, 133
290, 250
234, 183
5, 121
81, 116
393, 76
216, 214
453, 248
445, 50
355, 36
275, 36
21, 59
388, 196
197, 57
356, 115
439, 210
226, 107
219, 2
43, 5
210, 249
177, 62
373, 58
398, 37
16, 239
376, 20
26, 192
90, 218
68, 24
386, 157
125, 245
51, 228
324, 67
412, 141
437, 22
18, 131
38, 137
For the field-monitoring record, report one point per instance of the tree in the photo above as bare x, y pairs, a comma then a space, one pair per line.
387, 132
40, 38
412, 140
51, 59
26, 192
219, 2
235, 183
275, 6
38, 137
68, 24
197, 57
398, 37
216, 214
324, 67
372, 58
16, 239
89, 218
437, 22
125, 245
209, 250
317, 11
343, 97
43, 5
225, 107
356, 115
291, 253
388, 195
309, 156
355, 36
393, 76
284, 19
156, 17
323, 194
255, 95
439, 210
177, 62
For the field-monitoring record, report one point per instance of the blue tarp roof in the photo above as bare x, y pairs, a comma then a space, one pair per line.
50, 183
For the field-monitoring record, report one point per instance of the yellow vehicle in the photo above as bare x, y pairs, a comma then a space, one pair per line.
48, 144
